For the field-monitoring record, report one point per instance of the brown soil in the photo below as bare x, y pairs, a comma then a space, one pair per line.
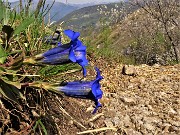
145, 102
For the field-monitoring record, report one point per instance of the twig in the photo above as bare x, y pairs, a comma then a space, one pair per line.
97, 130
95, 117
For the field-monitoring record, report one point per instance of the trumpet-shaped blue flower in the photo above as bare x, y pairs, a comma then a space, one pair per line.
84, 89
74, 51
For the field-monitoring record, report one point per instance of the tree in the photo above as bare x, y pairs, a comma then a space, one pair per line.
167, 13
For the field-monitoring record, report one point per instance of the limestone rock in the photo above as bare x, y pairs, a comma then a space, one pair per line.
129, 70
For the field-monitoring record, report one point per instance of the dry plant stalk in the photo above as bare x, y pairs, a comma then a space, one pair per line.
97, 130
96, 117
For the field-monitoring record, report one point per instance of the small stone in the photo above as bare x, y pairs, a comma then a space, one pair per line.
156, 65
128, 100
149, 107
129, 70
172, 111
116, 121
70, 122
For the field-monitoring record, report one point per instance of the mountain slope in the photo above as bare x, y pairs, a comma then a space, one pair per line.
58, 10
140, 37
95, 15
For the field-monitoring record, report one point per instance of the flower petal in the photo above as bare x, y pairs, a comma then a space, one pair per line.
57, 49
80, 45
59, 44
76, 89
57, 58
71, 34
98, 76
98, 104
84, 71
72, 56
97, 92
81, 56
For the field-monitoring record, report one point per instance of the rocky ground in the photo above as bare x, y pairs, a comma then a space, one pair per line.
137, 100
142, 100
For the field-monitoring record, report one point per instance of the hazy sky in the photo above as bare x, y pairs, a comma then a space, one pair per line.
78, 1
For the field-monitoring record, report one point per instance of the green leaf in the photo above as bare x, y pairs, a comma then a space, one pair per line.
14, 52
54, 70
7, 92
2, 9
39, 123
10, 91
2, 69
2, 55
34, 128
16, 84
17, 92
25, 23
43, 127
17, 62
4, 12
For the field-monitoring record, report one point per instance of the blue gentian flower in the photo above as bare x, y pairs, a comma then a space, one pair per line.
79, 54
74, 51
84, 89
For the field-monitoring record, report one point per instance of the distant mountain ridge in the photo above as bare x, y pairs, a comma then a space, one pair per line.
58, 10
92, 17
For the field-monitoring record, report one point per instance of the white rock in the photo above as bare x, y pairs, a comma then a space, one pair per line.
129, 70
